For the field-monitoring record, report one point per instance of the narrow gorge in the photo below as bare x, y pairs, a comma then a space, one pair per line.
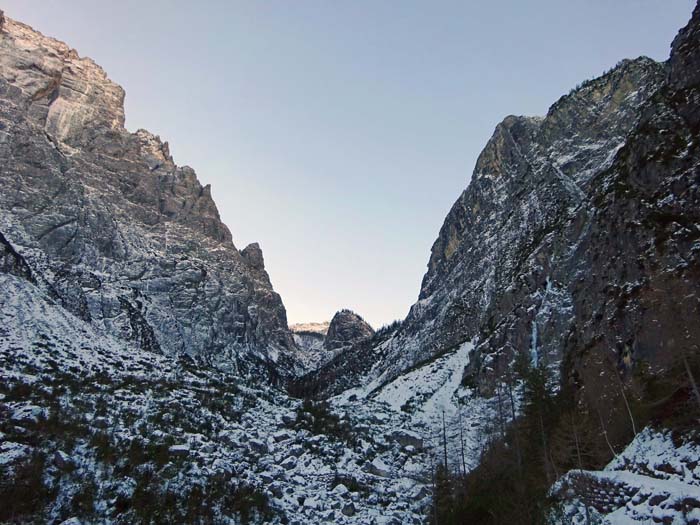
547, 373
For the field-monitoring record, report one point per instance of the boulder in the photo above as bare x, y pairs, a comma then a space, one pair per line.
179, 451
349, 509
406, 438
289, 463
282, 435
340, 489
62, 460
258, 446
379, 468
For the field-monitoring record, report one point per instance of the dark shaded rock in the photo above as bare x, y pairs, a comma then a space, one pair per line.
349, 509
346, 328
12, 262
252, 254
63, 461
684, 63
179, 451
406, 438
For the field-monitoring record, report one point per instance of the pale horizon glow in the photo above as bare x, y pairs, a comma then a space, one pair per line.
338, 135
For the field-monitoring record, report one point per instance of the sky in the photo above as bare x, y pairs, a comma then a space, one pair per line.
338, 134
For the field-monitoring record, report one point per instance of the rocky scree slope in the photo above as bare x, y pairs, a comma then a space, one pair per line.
97, 430
113, 229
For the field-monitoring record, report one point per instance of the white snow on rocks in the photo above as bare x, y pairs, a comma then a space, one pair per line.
189, 426
653, 481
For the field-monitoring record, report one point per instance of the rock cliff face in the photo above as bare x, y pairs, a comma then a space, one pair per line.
577, 236
501, 267
122, 236
346, 328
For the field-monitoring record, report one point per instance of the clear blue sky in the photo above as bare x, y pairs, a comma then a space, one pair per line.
338, 134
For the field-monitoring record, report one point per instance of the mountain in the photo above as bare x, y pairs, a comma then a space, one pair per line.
316, 328
564, 281
141, 354
119, 234
547, 373
322, 342
346, 328
504, 256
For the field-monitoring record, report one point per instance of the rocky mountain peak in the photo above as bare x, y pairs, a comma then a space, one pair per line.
346, 328
253, 255
123, 236
313, 327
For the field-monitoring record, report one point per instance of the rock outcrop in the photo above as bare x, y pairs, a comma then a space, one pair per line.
346, 328
123, 237
576, 237
501, 267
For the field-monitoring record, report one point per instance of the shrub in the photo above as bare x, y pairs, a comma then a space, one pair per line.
23, 493
316, 417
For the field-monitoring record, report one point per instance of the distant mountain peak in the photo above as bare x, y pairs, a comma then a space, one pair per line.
347, 328
313, 327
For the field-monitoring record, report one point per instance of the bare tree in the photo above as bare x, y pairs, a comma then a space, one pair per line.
461, 442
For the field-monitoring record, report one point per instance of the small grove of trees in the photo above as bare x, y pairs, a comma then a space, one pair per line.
388, 329
317, 418
557, 430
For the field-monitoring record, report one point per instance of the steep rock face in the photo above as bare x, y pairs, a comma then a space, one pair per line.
639, 298
345, 329
124, 237
486, 276
491, 274
574, 230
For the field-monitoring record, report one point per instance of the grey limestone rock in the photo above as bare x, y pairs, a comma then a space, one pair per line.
346, 328
123, 236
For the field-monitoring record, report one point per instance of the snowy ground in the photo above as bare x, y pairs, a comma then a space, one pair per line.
429, 392
136, 433
655, 480
136, 430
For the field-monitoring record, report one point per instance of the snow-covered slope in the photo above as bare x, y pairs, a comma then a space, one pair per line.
656, 479
110, 433
432, 394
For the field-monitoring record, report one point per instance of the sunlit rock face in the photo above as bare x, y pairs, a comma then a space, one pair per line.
123, 236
